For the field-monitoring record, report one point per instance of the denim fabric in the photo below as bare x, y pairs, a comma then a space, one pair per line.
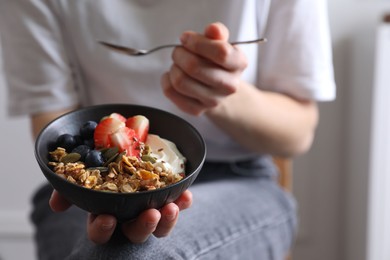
239, 212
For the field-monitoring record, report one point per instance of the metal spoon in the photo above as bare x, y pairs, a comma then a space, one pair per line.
140, 52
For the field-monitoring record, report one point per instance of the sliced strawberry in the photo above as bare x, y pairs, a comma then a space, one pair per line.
104, 129
140, 124
118, 116
125, 139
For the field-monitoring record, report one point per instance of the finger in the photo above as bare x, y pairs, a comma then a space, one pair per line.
209, 97
58, 203
185, 200
222, 81
139, 230
217, 31
100, 228
184, 103
169, 216
218, 51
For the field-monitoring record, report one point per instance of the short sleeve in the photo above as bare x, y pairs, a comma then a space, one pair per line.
297, 59
36, 68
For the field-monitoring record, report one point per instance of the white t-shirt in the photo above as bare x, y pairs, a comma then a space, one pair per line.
52, 59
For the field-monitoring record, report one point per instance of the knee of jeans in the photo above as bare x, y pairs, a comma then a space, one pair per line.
120, 248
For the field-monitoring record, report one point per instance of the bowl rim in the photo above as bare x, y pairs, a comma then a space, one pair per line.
39, 158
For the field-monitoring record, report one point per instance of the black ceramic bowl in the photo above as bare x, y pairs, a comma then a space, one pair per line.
123, 205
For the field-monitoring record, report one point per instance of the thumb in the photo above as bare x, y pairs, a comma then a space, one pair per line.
58, 203
217, 31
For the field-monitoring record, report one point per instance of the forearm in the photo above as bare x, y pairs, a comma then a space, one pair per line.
267, 122
39, 121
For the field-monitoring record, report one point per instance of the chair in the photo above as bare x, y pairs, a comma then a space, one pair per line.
285, 177
285, 169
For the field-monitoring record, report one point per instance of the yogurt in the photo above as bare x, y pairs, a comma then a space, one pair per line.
167, 156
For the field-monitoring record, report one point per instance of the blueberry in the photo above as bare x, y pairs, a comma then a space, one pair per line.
79, 140
66, 141
90, 143
94, 159
83, 150
87, 129
52, 145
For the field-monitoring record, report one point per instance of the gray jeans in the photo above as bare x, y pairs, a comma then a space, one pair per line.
239, 212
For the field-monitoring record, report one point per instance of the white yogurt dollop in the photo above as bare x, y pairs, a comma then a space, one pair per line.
168, 157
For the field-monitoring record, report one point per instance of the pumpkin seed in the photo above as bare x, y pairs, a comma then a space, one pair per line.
109, 153
103, 150
101, 169
119, 157
70, 158
148, 158
146, 150
110, 160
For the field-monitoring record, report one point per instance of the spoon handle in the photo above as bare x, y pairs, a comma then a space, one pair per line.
251, 41
232, 43
138, 52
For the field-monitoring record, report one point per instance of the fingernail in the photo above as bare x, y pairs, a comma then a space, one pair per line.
151, 224
183, 204
51, 202
184, 38
107, 227
170, 217
51, 197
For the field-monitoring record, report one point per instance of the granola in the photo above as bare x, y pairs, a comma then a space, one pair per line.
124, 174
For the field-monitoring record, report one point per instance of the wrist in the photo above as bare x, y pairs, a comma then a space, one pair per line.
238, 104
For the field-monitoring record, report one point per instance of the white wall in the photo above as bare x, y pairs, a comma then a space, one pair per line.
19, 177
378, 232
330, 181
356, 24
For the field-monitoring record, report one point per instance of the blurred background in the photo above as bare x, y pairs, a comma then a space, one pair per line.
340, 184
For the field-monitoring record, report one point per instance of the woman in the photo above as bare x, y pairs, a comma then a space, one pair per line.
249, 102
